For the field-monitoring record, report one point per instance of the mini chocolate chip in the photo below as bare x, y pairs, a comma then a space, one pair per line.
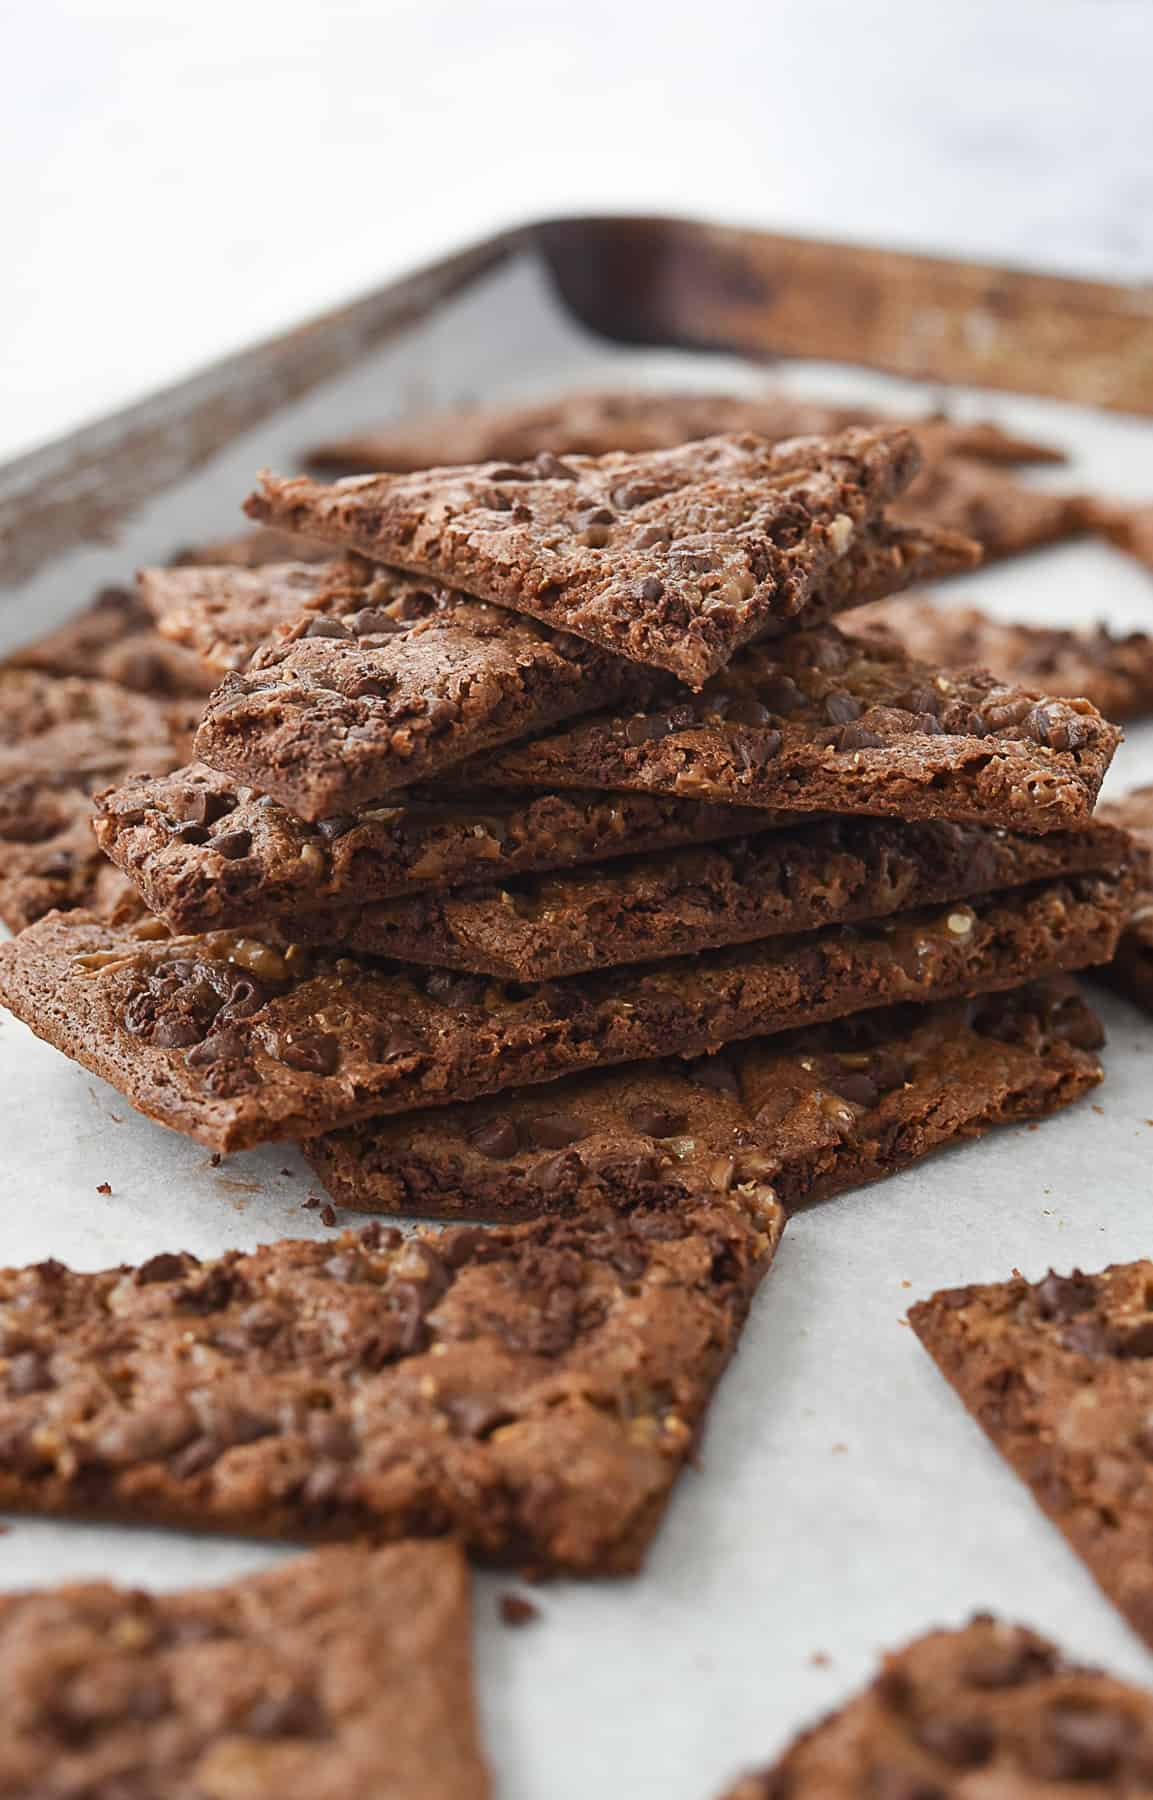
840, 707
1059, 730
964, 1743
1004, 1665
233, 845
29, 1373
442, 713
193, 834
747, 712
855, 736
652, 589
857, 1087
496, 1137
212, 1293
201, 806
642, 727
401, 1041
552, 1131
1085, 1338
167, 1266
372, 687
326, 628
373, 621
597, 515
552, 468
920, 700
1084, 1743
1063, 1296
58, 865
1132, 1339
292, 1715
313, 1053
336, 825
755, 752
781, 695
657, 1121
559, 1172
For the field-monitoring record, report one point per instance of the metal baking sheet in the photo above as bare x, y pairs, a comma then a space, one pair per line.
843, 1502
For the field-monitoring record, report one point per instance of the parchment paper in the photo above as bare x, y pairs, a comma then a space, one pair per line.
844, 1502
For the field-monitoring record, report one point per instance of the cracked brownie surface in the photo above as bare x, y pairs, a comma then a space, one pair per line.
390, 681
1059, 1374
820, 721
533, 1390
337, 1675
672, 559
989, 1709
810, 1113
235, 1042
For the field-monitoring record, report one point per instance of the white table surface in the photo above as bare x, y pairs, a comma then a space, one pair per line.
176, 181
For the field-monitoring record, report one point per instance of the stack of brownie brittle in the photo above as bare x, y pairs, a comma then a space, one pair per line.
562, 771
542, 843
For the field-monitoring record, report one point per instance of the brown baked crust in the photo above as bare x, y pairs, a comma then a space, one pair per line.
60, 738
391, 681
114, 639
837, 871
533, 1390
593, 423
1130, 973
234, 1043
810, 1113
206, 854
225, 613
252, 549
964, 494
673, 559
1058, 1374
49, 858
1113, 671
1129, 527
822, 722
345, 1672
988, 1709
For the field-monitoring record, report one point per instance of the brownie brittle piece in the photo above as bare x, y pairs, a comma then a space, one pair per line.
1112, 670
808, 1113
533, 1390
673, 559
1059, 1373
989, 1709
236, 1042
343, 1673
820, 721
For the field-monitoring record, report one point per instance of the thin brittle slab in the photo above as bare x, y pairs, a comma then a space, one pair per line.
114, 639
206, 854
1113, 671
235, 1043
534, 1390
336, 1675
811, 1113
1059, 1373
392, 680
673, 559
821, 722
60, 739
987, 1710
837, 871
593, 423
